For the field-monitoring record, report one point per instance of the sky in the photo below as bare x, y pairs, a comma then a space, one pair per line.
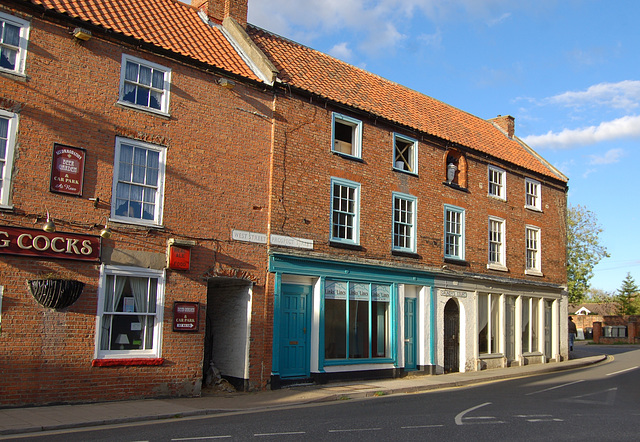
568, 71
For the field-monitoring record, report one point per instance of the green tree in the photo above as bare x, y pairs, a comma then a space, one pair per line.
627, 299
598, 296
584, 250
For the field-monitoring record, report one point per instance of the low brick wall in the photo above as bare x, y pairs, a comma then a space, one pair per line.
632, 324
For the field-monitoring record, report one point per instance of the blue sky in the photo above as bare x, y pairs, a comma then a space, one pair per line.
567, 70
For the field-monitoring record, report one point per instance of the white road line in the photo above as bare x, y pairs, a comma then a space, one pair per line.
545, 420
460, 416
621, 371
354, 430
203, 438
289, 433
532, 415
412, 427
553, 388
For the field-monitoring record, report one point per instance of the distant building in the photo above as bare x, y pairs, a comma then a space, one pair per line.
223, 196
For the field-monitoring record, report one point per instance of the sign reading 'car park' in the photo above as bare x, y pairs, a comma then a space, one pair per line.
32, 242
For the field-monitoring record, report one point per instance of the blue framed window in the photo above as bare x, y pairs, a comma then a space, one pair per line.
346, 135
405, 153
357, 318
404, 222
345, 211
453, 232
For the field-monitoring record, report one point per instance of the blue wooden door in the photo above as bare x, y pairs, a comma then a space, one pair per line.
294, 331
410, 347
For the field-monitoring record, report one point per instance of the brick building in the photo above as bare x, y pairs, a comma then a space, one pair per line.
217, 205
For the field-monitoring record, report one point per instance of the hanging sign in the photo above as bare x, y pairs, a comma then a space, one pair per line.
67, 169
185, 316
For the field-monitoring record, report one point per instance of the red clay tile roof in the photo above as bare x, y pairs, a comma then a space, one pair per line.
168, 24
323, 75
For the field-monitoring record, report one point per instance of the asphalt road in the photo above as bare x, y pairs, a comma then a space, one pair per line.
596, 403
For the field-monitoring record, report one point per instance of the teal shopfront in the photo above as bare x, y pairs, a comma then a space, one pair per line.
340, 320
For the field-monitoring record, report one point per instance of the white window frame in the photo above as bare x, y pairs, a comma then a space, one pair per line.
354, 238
460, 236
536, 269
495, 345
404, 220
164, 102
21, 49
159, 188
500, 240
532, 325
356, 135
400, 160
7, 167
156, 350
497, 183
533, 192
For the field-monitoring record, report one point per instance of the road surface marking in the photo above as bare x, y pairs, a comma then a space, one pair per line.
289, 433
354, 430
553, 388
203, 438
609, 396
460, 416
621, 371
545, 420
411, 427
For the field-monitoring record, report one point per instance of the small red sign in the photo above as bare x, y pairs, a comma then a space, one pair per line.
179, 258
67, 169
186, 316
31, 242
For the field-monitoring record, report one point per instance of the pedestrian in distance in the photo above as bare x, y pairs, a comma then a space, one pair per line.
573, 332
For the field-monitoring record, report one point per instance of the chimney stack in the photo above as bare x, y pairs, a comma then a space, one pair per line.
218, 10
506, 123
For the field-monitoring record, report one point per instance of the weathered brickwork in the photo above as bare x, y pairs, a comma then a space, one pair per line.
216, 180
301, 200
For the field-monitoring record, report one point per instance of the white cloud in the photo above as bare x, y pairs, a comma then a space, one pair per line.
625, 127
610, 157
622, 95
380, 24
497, 21
341, 51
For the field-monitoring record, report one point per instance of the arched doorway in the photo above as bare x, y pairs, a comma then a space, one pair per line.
451, 337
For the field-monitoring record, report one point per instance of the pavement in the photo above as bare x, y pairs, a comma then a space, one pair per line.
15, 421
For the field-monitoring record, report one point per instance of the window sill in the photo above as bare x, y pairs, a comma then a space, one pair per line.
126, 361
13, 74
497, 267
143, 109
533, 209
497, 198
341, 245
405, 254
134, 223
406, 172
491, 356
456, 261
456, 187
346, 156
533, 272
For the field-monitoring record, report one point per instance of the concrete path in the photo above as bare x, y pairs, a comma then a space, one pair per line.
35, 419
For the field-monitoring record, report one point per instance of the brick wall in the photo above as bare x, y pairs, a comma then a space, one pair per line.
217, 170
301, 202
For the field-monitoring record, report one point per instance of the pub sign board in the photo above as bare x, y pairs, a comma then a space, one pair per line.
60, 245
186, 316
67, 169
